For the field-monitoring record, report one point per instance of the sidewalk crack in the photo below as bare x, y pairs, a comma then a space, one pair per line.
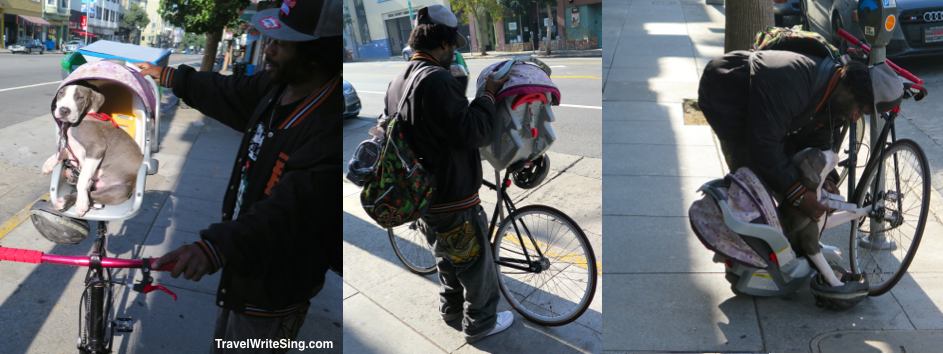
558, 174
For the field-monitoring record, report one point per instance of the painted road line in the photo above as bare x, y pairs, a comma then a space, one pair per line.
19, 217
28, 86
562, 105
580, 106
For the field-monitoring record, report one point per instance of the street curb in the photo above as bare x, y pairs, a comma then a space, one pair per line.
815, 343
14, 221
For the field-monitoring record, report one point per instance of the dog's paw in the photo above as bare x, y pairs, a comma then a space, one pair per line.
81, 209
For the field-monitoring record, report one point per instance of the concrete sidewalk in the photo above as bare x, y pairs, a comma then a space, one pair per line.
387, 309
665, 285
39, 304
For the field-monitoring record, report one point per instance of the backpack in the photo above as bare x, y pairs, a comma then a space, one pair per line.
399, 190
795, 40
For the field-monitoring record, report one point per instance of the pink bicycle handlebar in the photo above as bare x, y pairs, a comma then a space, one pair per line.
918, 83
31, 256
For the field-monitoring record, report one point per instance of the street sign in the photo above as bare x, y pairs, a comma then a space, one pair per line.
84, 23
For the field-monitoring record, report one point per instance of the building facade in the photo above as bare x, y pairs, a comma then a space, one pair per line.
102, 21
57, 13
574, 24
379, 28
20, 20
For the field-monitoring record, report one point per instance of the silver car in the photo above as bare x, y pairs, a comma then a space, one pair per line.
919, 33
351, 101
72, 46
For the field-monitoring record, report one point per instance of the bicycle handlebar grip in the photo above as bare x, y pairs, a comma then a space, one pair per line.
166, 267
20, 255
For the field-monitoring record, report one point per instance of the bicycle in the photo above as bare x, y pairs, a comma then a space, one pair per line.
525, 252
98, 325
880, 196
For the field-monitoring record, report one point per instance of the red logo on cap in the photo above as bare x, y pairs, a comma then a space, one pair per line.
287, 5
270, 22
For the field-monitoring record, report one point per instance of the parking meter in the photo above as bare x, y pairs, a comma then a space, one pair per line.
877, 19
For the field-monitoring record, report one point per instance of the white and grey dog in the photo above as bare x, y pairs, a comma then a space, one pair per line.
107, 158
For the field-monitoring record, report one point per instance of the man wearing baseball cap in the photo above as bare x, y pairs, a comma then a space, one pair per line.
445, 131
281, 217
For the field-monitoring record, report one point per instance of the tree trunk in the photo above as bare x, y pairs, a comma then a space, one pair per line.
479, 27
744, 18
212, 44
549, 27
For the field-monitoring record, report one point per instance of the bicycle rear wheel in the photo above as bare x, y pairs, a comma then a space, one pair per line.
555, 288
883, 244
412, 248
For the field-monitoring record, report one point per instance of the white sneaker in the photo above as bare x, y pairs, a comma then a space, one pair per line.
504, 321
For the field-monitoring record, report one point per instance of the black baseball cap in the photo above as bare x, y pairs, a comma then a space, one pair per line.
441, 16
301, 20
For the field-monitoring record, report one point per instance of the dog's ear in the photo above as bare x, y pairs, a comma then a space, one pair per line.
95, 100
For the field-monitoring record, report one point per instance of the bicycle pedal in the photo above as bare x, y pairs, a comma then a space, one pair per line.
123, 324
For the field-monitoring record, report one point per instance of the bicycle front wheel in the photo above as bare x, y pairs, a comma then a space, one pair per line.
883, 243
545, 264
412, 248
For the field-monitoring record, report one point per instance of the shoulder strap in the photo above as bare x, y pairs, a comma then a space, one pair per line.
412, 81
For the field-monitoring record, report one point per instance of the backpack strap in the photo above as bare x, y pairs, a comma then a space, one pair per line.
829, 88
412, 82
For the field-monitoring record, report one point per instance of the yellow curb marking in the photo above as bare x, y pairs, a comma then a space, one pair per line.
19, 217
578, 260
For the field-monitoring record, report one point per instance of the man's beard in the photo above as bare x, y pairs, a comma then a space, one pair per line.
287, 73
447, 59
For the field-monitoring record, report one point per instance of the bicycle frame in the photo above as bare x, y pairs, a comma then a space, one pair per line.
529, 263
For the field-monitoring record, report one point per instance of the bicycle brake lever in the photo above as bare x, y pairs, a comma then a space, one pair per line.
148, 287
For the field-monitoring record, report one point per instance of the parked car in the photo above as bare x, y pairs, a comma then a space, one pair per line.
407, 53
352, 101
72, 46
919, 33
786, 13
28, 46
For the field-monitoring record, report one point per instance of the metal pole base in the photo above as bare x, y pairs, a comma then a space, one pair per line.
878, 244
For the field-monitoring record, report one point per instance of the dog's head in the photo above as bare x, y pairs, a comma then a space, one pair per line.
74, 101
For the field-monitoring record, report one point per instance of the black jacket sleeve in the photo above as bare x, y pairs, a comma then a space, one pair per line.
228, 99
779, 92
462, 125
302, 211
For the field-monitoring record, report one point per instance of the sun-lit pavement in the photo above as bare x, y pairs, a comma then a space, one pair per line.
39, 304
663, 283
389, 310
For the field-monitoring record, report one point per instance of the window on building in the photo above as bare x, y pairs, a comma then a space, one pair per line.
63, 4
50, 2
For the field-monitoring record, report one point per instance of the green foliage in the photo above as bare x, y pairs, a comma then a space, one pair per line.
479, 8
135, 18
201, 16
196, 40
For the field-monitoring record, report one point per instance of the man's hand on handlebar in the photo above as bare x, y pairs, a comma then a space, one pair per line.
190, 261
150, 70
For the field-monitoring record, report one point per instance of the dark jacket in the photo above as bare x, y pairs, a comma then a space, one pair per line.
768, 102
445, 133
288, 232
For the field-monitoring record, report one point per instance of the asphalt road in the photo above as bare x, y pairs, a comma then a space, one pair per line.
579, 117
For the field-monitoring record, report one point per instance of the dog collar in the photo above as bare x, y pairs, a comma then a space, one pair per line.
103, 117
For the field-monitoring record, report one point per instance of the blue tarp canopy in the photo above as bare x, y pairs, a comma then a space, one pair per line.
127, 52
